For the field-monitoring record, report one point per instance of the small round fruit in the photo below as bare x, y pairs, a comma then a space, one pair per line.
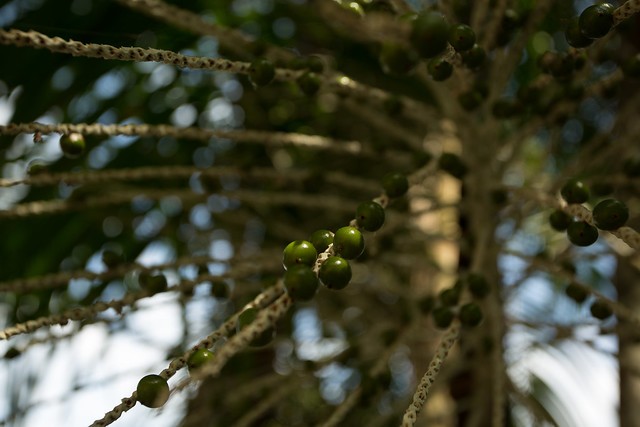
370, 216
462, 37
582, 234
261, 72
442, 317
309, 83
576, 293
610, 214
395, 184
470, 314
440, 69
429, 34
300, 282
198, 359
600, 310
153, 283
36, 167
426, 304
299, 252
596, 21
219, 289
321, 239
450, 296
478, 285
453, 164
247, 317
72, 145
335, 273
396, 59
574, 36
111, 258
474, 57
348, 242
153, 391
574, 191
560, 220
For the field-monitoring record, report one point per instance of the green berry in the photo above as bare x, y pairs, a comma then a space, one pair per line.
261, 72
462, 37
348, 242
396, 59
559, 220
582, 234
576, 293
574, 191
219, 289
335, 273
309, 83
247, 317
153, 283
453, 164
574, 35
600, 310
474, 57
596, 21
370, 216
450, 296
395, 184
198, 359
299, 252
301, 282
36, 167
632, 66
429, 34
442, 317
561, 66
610, 214
72, 145
470, 314
153, 391
426, 304
321, 239
478, 285
111, 258
440, 69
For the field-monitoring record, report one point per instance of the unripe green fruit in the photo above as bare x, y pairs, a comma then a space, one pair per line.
478, 285
36, 167
370, 216
470, 314
152, 391
440, 69
111, 259
348, 242
261, 72
610, 214
574, 35
72, 145
396, 59
335, 273
600, 310
560, 220
442, 317
452, 164
429, 34
582, 234
462, 37
395, 184
596, 21
474, 57
576, 293
219, 290
426, 304
300, 282
198, 359
450, 296
574, 191
247, 317
299, 252
309, 83
321, 239
153, 283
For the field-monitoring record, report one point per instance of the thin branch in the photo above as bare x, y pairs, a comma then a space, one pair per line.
420, 396
192, 133
627, 10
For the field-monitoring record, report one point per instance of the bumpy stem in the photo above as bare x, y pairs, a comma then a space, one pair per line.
627, 10
420, 396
